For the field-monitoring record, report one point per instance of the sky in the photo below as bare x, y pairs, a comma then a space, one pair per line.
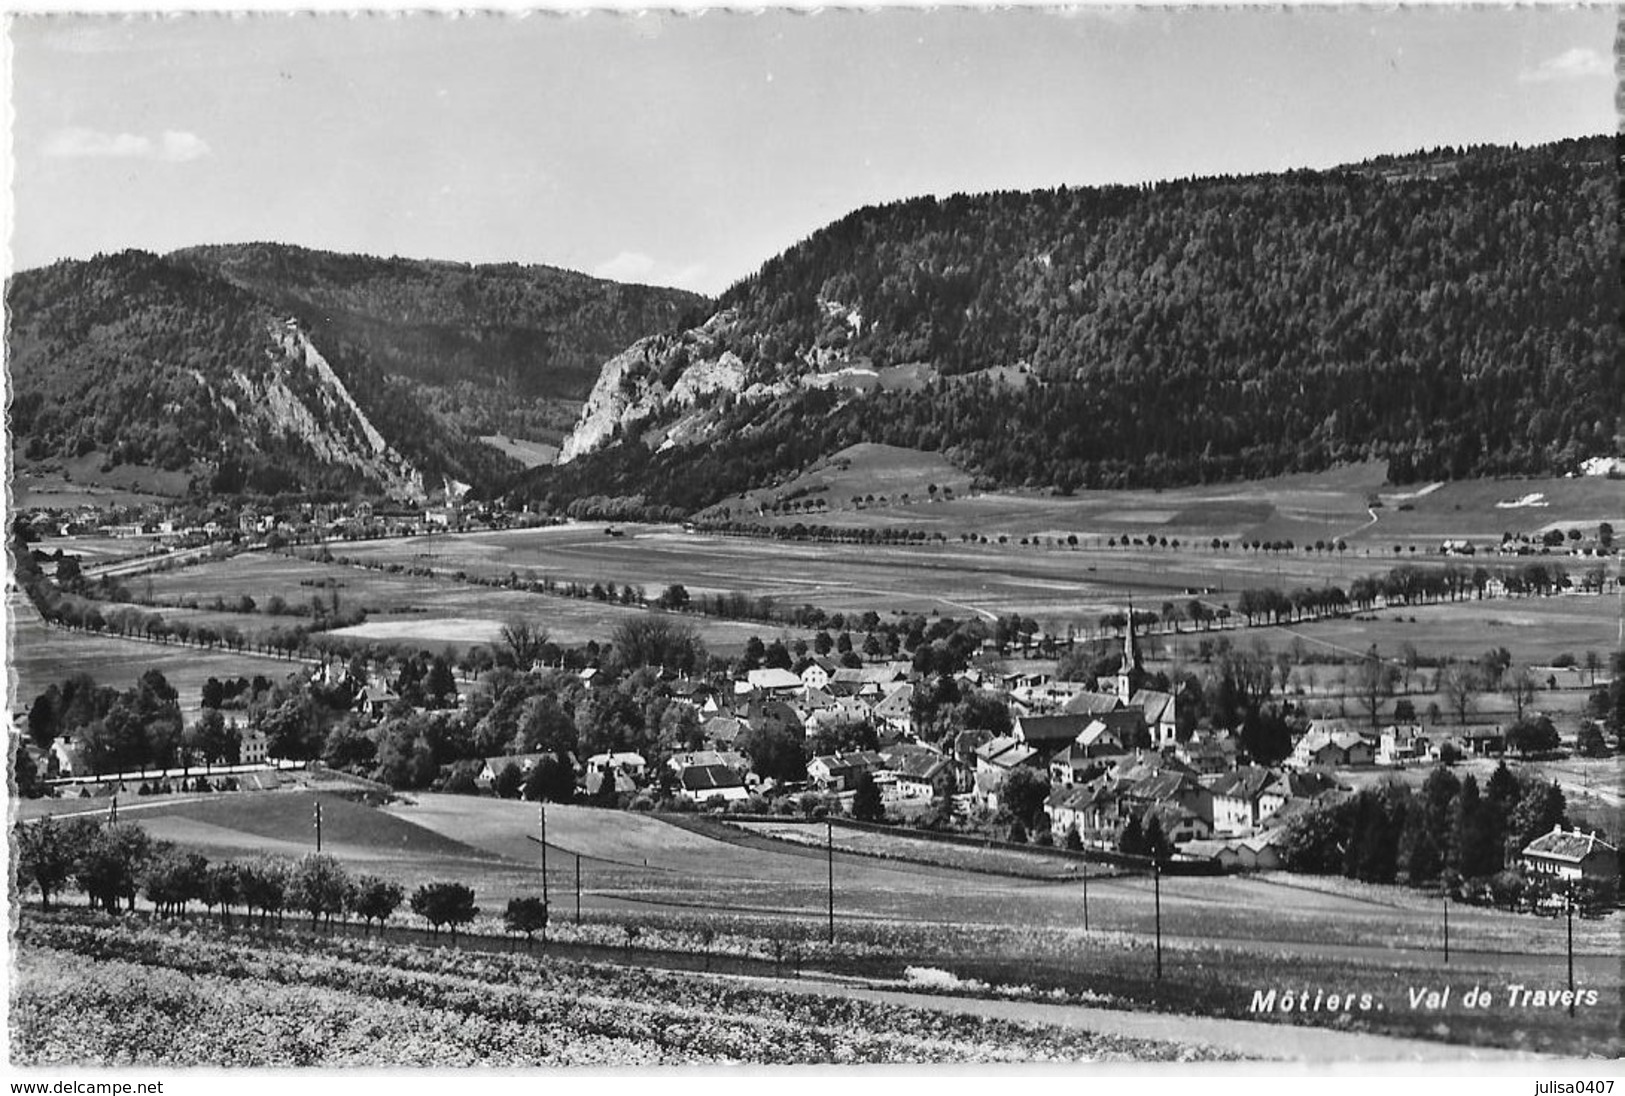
687, 149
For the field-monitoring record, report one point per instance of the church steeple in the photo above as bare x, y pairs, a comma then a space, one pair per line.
1131, 671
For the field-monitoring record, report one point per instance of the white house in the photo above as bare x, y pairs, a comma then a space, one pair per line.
1238, 798
1570, 857
1402, 743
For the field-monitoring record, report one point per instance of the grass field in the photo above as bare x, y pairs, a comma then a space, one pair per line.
1302, 507
416, 609
1225, 937
40, 656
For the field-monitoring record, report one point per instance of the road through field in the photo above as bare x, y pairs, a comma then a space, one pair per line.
1251, 1038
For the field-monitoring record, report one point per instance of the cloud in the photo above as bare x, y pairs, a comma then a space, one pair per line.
628, 266
635, 266
1574, 64
171, 146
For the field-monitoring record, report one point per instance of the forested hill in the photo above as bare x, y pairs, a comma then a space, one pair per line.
262, 369
1456, 312
536, 330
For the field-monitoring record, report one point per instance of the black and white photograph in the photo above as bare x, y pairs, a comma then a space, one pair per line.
958, 537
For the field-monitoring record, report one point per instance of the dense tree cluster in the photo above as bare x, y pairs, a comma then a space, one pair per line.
1454, 312
1447, 829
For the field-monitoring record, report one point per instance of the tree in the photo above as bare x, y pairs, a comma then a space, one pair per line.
508, 781
866, 804
1589, 742
1157, 845
1542, 809
775, 753
522, 644
660, 642
1460, 684
47, 851
173, 878
320, 886
1132, 839
1023, 793
1475, 840
444, 904
552, 779
1374, 682
375, 899
527, 915
1520, 685
441, 686
263, 885
221, 888
111, 863
1536, 735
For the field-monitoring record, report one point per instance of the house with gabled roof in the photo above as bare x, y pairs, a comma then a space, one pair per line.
1000, 755
896, 711
723, 732
1049, 734
1092, 704
702, 783
1092, 808
818, 672
1208, 753
1570, 857
921, 772
494, 766
1238, 798
1159, 712
774, 681
839, 772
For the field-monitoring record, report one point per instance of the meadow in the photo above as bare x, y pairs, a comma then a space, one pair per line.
895, 486
648, 884
40, 656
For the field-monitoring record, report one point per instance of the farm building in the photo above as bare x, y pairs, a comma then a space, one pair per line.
1571, 856
702, 783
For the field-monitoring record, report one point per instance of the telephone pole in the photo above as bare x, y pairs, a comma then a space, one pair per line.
318, 825
829, 852
1156, 876
541, 810
578, 888
1446, 897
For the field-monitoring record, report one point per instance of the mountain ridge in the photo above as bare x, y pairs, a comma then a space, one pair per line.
1453, 312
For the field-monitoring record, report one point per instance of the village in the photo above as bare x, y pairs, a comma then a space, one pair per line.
1102, 767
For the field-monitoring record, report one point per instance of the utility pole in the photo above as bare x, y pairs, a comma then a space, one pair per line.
318, 825
578, 888
1569, 902
1156, 875
541, 810
1446, 896
829, 852
1086, 894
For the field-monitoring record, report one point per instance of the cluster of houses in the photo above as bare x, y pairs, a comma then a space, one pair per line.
169, 527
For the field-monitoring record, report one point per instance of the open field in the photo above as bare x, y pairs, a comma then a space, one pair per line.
635, 861
531, 454
1056, 586
416, 609
1224, 937
1302, 507
40, 656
